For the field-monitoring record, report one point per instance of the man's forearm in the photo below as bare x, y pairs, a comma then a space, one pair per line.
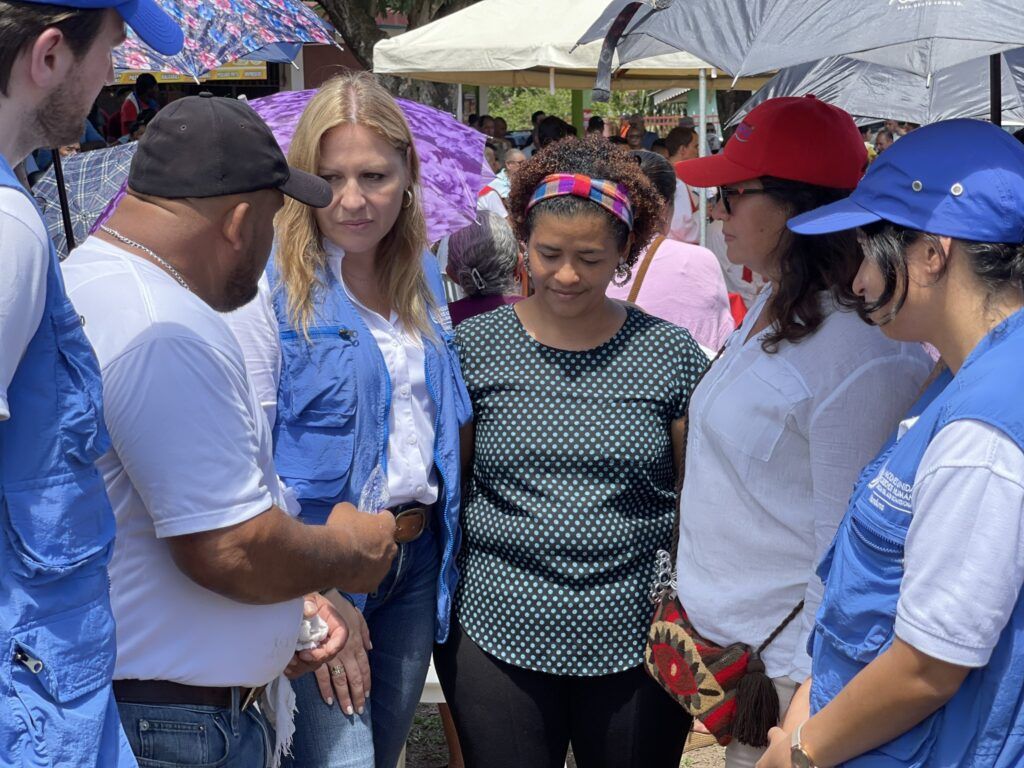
273, 558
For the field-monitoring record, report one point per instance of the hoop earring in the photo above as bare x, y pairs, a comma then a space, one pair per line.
623, 273
408, 202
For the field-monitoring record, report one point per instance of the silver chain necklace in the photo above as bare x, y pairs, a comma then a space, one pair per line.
161, 261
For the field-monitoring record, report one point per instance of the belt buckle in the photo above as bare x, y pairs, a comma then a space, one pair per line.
251, 696
420, 512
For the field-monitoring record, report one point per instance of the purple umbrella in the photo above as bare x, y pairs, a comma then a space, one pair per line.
452, 167
219, 31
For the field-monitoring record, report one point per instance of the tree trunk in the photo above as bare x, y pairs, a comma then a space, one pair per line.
356, 22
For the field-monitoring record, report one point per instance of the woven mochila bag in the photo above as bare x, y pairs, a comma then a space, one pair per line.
725, 688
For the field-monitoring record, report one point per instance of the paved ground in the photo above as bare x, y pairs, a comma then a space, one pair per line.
427, 748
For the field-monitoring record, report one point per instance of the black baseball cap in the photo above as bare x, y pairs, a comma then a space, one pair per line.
209, 146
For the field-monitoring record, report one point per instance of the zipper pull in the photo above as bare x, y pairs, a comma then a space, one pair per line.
35, 666
348, 334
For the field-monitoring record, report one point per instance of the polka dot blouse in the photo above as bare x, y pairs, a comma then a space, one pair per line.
572, 489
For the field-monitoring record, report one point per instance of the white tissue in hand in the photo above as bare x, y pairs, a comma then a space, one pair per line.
312, 633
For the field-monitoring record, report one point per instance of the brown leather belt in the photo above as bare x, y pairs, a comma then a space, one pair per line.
411, 520
166, 692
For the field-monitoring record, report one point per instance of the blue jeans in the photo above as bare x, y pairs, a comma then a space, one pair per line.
172, 735
401, 618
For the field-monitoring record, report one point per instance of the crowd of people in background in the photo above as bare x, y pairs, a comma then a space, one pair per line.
265, 448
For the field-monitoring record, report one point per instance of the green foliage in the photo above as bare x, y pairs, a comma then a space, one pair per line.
517, 104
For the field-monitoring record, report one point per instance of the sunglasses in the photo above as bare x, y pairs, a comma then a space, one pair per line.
725, 194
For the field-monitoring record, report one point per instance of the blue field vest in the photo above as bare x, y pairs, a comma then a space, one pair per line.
56, 628
982, 725
333, 403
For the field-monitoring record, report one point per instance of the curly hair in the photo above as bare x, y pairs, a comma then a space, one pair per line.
599, 159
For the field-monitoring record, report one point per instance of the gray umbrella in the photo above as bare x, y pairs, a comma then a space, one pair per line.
746, 37
869, 90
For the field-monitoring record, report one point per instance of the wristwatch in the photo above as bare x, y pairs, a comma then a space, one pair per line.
797, 754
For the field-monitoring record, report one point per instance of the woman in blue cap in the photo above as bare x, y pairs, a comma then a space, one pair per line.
918, 642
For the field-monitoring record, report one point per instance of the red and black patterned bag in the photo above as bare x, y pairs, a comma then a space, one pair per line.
725, 688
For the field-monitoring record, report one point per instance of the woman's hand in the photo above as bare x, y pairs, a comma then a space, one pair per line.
347, 675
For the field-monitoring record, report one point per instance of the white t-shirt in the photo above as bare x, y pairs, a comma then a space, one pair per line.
776, 442
685, 225
191, 452
24, 263
492, 202
964, 555
411, 473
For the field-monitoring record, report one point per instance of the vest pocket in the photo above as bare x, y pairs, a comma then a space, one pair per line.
58, 526
83, 435
858, 611
60, 673
318, 377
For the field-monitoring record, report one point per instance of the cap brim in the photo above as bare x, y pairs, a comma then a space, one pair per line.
153, 26
835, 217
713, 171
307, 188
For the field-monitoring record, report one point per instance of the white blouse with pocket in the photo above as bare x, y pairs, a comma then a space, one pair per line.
776, 442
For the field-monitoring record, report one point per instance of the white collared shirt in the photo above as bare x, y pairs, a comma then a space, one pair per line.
776, 442
410, 451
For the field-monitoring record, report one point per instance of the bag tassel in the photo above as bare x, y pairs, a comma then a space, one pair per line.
757, 705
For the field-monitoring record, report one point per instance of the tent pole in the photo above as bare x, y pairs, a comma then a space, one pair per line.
577, 111
702, 116
995, 84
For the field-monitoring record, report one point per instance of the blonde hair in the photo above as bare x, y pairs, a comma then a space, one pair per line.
354, 99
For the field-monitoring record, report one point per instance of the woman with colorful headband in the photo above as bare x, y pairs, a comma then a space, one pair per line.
919, 640
579, 404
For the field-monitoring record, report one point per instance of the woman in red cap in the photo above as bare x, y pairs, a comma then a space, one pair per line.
801, 396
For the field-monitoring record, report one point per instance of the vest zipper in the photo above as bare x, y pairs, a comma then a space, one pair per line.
877, 541
346, 333
34, 665
449, 533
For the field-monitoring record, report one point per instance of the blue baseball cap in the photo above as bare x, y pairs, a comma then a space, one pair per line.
149, 21
958, 178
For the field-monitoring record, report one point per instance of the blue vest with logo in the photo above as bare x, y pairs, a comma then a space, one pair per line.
333, 403
983, 724
56, 629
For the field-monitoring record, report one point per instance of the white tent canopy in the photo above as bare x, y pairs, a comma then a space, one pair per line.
527, 43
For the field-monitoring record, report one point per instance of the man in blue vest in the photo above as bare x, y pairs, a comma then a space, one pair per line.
57, 527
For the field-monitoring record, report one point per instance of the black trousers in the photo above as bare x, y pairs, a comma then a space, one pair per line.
509, 717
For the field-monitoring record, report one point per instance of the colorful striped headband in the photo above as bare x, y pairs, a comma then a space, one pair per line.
610, 195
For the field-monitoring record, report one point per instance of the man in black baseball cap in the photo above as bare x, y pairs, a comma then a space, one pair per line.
205, 158
210, 567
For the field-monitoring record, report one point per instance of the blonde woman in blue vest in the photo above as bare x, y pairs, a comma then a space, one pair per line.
349, 346
918, 642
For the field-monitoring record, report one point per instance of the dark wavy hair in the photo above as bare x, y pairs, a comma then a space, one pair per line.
597, 158
998, 266
808, 265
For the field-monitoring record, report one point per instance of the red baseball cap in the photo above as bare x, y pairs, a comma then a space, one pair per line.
792, 137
